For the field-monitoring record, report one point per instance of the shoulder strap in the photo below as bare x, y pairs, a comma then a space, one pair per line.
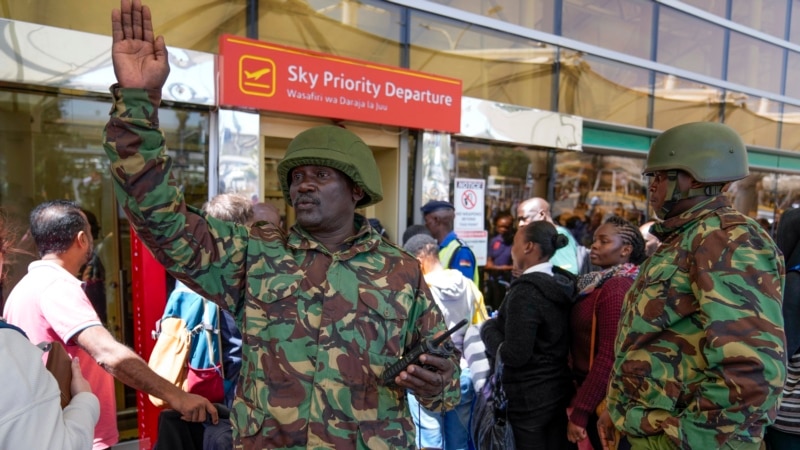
479, 313
594, 331
211, 329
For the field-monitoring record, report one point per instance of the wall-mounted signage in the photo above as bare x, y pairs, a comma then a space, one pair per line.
270, 77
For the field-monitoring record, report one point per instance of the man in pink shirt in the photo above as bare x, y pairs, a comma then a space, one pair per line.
50, 305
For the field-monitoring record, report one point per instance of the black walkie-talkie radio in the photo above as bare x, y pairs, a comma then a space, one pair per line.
432, 347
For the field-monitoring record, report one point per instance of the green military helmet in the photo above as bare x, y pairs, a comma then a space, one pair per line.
710, 152
333, 146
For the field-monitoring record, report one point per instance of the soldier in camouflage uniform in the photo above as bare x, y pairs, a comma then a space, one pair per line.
322, 309
700, 360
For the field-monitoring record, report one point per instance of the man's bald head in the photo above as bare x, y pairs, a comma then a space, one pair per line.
535, 208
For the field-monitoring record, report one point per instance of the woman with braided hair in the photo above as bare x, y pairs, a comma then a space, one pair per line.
618, 248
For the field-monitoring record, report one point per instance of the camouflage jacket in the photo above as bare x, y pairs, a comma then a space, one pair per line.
318, 327
700, 348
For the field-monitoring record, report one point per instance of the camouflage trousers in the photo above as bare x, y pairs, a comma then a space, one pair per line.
662, 442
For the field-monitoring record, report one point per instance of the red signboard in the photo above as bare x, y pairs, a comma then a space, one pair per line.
269, 77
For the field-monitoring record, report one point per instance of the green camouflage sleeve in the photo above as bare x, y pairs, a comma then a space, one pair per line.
738, 284
703, 355
208, 258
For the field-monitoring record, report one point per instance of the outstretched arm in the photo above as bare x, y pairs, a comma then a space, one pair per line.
125, 365
140, 59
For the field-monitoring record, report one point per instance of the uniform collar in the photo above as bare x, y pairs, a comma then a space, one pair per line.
451, 236
365, 239
675, 224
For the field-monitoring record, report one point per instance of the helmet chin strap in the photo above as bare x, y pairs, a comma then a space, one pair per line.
674, 195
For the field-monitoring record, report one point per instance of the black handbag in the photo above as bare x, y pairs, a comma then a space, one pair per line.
490, 427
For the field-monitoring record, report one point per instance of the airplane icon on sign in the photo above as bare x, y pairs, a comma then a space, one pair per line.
257, 76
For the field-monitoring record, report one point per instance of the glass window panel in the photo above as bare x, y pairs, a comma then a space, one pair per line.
713, 6
768, 16
184, 23
512, 173
239, 156
492, 65
755, 63
689, 43
366, 30
620, 25
530, 14
756, 196
679, 101
792, 67
600, 89
51, 148
790, 129
592, 186
754, 118
187, 135
787, 191
794, 27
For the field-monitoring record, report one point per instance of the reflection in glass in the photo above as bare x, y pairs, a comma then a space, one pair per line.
185, 23
717, 7
600, 89
763, 195
620, 25
238, 153
187, 134
274, 151
793, 67
768, 16
790, 128
366, 30
754, 63
530, 14
754, 118
435, 154
787, 191
690, 43
492, 65
512, 173
679, 101
794, 27
591, 187
51, 148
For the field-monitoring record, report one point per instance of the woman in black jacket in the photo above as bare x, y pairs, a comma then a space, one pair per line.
533, 326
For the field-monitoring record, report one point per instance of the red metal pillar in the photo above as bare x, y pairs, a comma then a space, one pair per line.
149, 288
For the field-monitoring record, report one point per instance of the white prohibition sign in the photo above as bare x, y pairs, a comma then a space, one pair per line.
469, 199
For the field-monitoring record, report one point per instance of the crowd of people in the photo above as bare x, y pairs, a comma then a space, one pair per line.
682, 333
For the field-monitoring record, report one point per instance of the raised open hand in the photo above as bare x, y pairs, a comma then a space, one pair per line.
140, 60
